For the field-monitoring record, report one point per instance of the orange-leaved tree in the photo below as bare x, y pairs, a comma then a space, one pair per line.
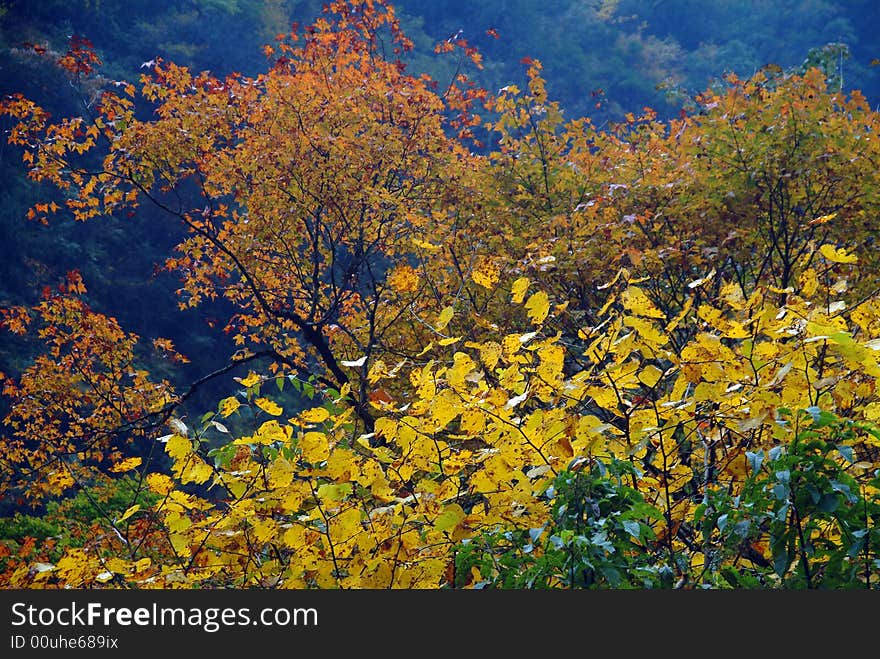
301, 188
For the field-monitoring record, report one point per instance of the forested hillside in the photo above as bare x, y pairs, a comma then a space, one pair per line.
440, 295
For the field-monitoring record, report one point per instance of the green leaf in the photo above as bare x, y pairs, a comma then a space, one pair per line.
633, 528
821, 418
781, 561
755, 460
742, 528
844, 489
600, 539
642, 509
612, 575
829, 502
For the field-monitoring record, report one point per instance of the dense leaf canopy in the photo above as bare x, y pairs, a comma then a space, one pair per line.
471, 342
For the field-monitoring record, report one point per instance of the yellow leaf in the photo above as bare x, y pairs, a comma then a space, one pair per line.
117, 565
449, 341
314, 447
552, 358
315, 415
611, 299
236, 487
486, 274
689, 303
187, 501
510, 377
279, 474
424, 379
445, 407
329, 493
370, 471
650, 375
386, 427
837, 255
177, 522
129, 512
178, 446
264, 529
646, 330
462, 367
604, 397
228, 406
444, 318
518, 290
451, 517
425, 245
611, 283
823, 219
405, 435
180, 543
269, 432
268, 406
716, 320
809, 282
196, 471
378, 371
732, 294
160, 483
490, 353
142, 564
250, 380
126, 465
482, 322
510, 345
588, 433
346, 525
472, 422
538, 306
637, 302
294, 497
342, 465
294, 537
404, 279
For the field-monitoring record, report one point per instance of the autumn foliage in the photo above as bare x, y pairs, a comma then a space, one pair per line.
638, 356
